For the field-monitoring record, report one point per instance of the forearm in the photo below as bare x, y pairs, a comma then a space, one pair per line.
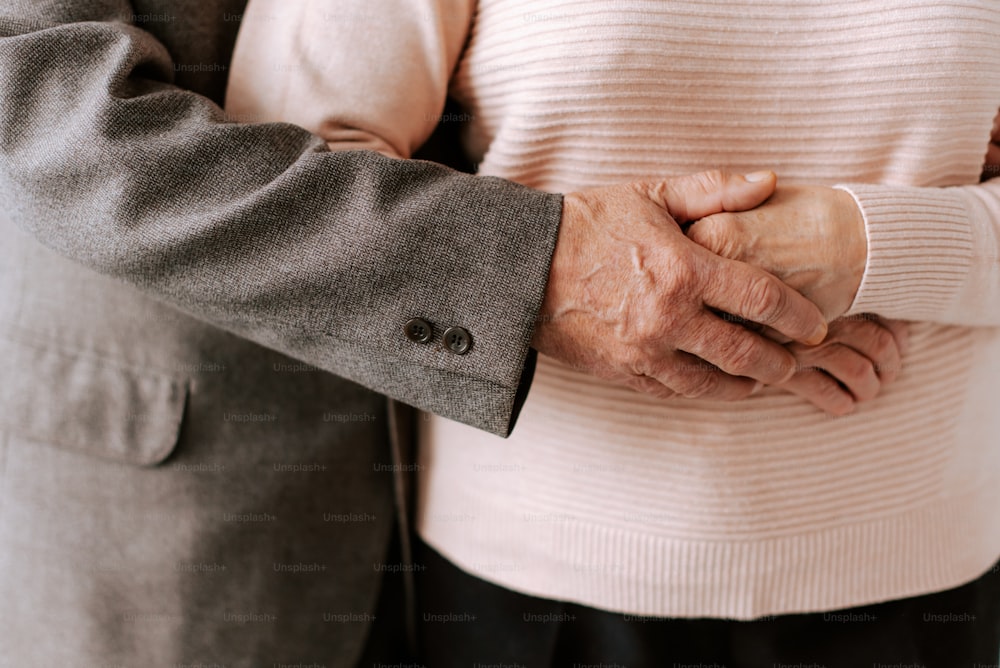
260, 229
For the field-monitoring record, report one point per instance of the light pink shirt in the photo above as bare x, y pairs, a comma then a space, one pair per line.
690, 507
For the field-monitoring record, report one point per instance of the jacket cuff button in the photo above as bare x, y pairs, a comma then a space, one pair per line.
457, 340
418, 330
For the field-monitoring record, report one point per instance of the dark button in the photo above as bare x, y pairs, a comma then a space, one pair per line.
418, 330
457, 340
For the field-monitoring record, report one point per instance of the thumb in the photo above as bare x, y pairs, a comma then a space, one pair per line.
693, 196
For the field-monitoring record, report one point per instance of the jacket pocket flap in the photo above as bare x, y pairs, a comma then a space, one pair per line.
89, 404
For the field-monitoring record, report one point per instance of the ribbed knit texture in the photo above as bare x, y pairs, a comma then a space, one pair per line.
696, 508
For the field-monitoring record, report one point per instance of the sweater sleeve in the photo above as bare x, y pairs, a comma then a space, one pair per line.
257, 227
933, 253
369, 74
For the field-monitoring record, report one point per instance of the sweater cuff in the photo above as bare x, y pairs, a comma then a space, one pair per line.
920, 250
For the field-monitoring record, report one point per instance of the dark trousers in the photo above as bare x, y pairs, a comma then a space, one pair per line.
466, 622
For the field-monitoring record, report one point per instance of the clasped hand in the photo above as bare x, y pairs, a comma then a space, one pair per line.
634, 300
813, 238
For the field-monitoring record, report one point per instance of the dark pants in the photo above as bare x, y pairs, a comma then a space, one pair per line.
386, 645
465, 621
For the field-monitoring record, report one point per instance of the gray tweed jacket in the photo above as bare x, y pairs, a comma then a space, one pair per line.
199, 321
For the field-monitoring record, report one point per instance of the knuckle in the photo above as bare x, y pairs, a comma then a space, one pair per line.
862, 381
650, 386
659, 189
637, 384
763, 300
844, 365
683, 266
712, 178
663, 392
821, 384
726, 242
710, 233
699, 385
742, 356
827, 390
660, 391
701, 231
883, 341
635, 362
859, 370
682, 279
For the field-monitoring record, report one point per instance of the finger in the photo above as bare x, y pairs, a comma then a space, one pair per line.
775, 335
763, 330
901, 333
754, 294
651, 386
855, 371
736, 350
719, 233
821, 390
729, 317
901, 330
694, 196
693, 377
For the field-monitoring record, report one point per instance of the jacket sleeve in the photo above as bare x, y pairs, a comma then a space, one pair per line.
933, 253
257, 227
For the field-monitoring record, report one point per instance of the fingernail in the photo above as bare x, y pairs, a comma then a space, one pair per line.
817, 336
757, 387
754, 177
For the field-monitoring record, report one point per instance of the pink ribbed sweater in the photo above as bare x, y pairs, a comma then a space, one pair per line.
689, 507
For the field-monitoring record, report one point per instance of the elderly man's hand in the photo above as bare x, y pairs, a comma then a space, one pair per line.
632, 300
811, 237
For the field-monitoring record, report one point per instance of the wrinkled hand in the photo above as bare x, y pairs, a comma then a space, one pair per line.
630, 299
860, 356
811, 237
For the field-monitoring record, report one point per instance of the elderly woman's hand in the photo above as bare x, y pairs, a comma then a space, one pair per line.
860, 355
811, 237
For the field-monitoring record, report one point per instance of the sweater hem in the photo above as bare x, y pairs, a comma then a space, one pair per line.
939, 546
